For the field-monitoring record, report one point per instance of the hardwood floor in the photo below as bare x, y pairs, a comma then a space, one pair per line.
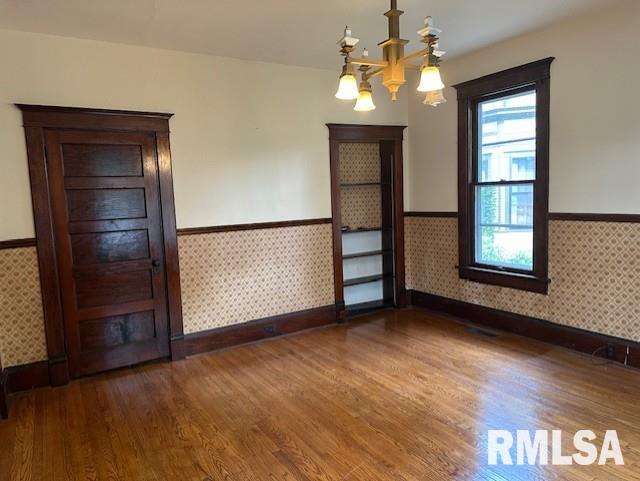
399, 395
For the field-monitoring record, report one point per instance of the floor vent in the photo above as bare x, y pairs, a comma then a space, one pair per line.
482, 332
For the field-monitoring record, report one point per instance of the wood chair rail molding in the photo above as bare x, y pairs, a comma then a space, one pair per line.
18, 243
254, 226
37, 120
556, 216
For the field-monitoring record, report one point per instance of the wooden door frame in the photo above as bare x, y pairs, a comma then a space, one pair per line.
37, 119
345, 133
4, 406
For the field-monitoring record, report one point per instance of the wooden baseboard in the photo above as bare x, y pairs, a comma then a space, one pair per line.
38, 374
214, 339
27, 376
541, 330
177, 348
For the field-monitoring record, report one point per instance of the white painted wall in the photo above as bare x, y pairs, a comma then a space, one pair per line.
248, 139
595, 114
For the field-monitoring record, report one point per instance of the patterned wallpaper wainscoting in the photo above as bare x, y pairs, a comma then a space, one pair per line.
227, 278
594, 269
22, 338
233, 277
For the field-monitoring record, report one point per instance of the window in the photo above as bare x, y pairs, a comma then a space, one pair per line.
504, 182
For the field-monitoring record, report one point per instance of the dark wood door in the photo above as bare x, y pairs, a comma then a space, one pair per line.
107, 227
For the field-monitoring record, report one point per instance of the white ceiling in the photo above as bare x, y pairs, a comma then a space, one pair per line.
296, 32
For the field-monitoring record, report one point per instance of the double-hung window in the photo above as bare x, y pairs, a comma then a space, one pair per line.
503, 136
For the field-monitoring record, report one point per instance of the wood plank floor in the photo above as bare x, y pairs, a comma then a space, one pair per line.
399, 395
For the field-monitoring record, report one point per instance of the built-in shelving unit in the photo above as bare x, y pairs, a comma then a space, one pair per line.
367, 250
367, 217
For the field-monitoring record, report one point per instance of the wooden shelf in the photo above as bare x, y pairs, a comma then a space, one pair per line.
367, 254
366, 307
368, 229
365, 280
362, 184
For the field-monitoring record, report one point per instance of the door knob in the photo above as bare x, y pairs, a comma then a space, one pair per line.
155, 263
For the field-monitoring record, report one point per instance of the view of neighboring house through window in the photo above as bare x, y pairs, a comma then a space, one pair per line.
506, 172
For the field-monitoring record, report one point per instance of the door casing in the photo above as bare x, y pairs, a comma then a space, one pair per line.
37, 120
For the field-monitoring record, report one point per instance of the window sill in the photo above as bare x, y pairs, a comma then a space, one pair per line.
513, 280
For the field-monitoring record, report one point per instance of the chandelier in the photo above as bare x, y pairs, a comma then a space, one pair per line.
393, 66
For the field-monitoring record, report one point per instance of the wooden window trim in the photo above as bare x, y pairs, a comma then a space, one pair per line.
534, 75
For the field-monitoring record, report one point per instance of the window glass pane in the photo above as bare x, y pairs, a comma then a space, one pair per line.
504, 226
507, 138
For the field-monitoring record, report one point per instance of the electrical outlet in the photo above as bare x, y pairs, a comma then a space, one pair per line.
269, 329
611, 350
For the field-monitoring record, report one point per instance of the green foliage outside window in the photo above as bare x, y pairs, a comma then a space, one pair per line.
492, 253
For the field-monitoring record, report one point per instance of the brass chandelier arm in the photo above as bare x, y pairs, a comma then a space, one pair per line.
374, 73
414, 56
383, 63
366, 61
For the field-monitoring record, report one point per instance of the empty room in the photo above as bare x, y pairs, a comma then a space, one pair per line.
262, 240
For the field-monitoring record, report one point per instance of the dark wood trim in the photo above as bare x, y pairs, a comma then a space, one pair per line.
452, 215
336, 229
36, 119
28, 376
512, 280
49, 116
557, 216
4, 404
255, 226
47, 261
390, 138
214, 339
21, 378
170, 238
505, 79
541, 330
584, 217
535, 75
398, 222
18, 243
365, 133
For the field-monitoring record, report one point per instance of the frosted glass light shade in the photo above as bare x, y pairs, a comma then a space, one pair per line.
348, 88
435, 98
430, 80
365, 102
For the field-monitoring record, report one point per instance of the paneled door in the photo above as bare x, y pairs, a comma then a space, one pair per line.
107, 226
